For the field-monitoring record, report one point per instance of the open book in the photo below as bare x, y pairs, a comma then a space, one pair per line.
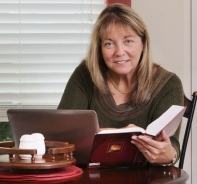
113, 148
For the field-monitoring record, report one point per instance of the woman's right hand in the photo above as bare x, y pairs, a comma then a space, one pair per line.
130, 126
107, 129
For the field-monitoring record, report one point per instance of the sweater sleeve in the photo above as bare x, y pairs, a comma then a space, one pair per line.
171, 94
78, 91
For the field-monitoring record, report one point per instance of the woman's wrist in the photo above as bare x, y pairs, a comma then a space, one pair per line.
172, 161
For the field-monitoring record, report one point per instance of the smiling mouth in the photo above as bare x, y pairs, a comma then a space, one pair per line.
122, 61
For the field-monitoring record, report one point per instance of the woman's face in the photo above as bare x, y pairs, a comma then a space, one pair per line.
121, 49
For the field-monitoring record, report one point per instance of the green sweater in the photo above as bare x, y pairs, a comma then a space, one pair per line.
81, 93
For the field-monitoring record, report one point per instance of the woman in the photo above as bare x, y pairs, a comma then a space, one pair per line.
121, 83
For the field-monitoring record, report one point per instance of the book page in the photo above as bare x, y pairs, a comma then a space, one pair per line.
169, 121
123, 130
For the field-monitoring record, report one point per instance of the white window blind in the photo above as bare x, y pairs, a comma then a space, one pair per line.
41, 43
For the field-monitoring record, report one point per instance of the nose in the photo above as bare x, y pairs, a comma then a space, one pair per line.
119, 50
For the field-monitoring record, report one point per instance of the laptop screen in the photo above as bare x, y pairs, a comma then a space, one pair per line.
77, 127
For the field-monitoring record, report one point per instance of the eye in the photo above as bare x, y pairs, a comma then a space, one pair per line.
129, 41
108, 44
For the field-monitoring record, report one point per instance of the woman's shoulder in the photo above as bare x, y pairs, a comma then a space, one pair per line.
81, 70
165, 80
82, 66
164, 73
82, 75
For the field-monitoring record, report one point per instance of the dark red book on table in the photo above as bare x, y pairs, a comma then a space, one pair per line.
113, 148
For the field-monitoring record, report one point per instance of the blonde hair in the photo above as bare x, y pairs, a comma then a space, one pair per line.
126, 16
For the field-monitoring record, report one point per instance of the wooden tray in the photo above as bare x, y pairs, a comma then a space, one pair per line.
58, 155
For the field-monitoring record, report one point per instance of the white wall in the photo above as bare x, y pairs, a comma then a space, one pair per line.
169, 26
194, 87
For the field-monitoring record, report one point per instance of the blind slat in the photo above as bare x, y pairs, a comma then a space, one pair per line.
48, 18
41, 43
46, 28
43, 48
38, 68
45, 8
33, 87
8, 78
31, 38
41, 58
29, 98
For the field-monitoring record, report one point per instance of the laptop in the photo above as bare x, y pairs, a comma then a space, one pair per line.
77, 127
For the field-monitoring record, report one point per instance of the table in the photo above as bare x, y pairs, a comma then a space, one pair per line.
146, 175
149, 175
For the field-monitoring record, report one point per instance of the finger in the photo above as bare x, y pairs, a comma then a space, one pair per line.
146, 145
135, 139
130, 126
151, 143
146, 141
147, 154
164, 136
141, 144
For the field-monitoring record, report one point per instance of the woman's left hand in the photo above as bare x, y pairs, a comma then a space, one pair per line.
156, 151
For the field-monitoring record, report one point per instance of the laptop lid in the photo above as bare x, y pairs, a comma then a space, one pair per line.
77, 127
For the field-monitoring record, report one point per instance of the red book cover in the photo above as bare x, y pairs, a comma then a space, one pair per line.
115, 150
